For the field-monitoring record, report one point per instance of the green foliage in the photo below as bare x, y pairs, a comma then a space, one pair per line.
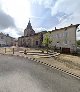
78, 30
78, 42
46, 42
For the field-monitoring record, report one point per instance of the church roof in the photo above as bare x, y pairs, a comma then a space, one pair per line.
29, 25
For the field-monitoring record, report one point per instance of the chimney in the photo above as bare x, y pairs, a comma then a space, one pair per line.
7, 34
55, 28
71, 24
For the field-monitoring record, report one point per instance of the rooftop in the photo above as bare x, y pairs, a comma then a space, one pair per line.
76, 25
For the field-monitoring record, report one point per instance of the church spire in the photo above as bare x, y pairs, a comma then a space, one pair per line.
29, 30
29, 20
29, 25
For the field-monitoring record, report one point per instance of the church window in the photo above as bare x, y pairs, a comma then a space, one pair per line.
36, 42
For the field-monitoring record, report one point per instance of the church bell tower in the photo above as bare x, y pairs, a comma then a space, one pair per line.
29, 30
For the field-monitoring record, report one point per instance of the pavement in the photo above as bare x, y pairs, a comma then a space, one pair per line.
70, 67
19, 74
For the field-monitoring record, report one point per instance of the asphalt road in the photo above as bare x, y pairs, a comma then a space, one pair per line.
22, 75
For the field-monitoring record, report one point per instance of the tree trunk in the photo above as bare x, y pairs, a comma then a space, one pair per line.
47, 50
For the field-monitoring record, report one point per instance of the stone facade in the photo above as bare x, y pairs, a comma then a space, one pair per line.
29, 30
31, 41
6, 40
30, 38
64, 38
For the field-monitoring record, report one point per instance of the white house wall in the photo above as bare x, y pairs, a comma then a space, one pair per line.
65, 38
6, 40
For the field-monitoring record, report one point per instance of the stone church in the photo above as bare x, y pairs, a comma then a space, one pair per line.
29, 30
30, 38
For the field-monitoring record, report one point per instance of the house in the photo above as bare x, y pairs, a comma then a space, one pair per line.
63, 38
6, 40
31, 41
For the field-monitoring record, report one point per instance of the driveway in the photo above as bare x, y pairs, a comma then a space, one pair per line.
23, 75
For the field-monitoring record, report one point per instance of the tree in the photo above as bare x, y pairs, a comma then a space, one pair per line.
78, 31
46, 42
78, 42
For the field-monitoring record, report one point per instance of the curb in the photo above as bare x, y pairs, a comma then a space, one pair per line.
46, 64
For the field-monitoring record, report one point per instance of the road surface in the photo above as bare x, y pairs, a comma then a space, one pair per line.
22, 75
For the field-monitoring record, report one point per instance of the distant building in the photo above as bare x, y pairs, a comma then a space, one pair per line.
29, 31
30, 38
6, 40
64, 38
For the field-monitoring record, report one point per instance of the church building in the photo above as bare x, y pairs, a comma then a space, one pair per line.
63, 39
29, 31
30, 38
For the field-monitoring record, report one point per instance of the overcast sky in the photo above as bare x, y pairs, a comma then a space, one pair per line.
44, 15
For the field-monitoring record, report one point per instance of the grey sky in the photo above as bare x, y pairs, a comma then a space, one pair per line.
6, 21
44, 14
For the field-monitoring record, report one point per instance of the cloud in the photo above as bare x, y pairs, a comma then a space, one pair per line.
69, 8
7, 25
40, 29
18, 9
66, 6
6, 21
45, 3
78, 33
64, 11
42, 15
14, 32
59, 13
